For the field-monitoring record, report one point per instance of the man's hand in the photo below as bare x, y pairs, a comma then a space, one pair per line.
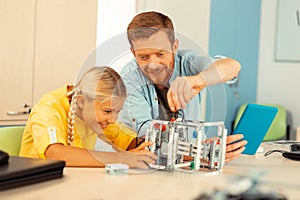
182, 90
234, 149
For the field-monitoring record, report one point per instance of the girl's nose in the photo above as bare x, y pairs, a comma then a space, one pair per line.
112, 119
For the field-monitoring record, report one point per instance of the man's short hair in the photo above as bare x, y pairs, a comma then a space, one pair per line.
147, 24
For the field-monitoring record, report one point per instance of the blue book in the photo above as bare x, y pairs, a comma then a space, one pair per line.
254, 125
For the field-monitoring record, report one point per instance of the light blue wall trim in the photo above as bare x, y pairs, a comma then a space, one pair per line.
234, 32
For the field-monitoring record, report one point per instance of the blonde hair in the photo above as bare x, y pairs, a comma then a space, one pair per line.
98, 83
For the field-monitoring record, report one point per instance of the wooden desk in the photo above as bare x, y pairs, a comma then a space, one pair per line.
94, 184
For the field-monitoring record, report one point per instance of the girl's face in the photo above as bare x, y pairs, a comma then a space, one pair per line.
101, 113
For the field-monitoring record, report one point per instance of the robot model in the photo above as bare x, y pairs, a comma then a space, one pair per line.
180, 145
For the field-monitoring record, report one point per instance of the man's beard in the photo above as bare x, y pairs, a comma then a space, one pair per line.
157, 73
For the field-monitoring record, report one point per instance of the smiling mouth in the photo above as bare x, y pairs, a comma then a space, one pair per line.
103, 126
155, 72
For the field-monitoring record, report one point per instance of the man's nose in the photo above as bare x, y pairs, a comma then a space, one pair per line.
153, 61
153, 66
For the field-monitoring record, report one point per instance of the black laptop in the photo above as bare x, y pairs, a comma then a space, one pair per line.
22, 171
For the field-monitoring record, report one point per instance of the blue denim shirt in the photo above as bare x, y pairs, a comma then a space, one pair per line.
141, 104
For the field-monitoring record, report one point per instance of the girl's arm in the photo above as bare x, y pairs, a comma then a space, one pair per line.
78, 157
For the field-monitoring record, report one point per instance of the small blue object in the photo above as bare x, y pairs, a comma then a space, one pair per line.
116, 169
195, 134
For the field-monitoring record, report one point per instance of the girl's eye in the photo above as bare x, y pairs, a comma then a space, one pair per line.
107, 111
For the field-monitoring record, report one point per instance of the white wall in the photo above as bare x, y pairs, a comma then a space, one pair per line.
190, 18
278, 82
112, 21
113, 18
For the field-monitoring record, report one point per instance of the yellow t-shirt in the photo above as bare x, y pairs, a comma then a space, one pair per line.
52, 112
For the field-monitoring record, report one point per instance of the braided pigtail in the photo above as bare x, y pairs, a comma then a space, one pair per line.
71, 116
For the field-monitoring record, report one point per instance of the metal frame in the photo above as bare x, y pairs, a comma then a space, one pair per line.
172, 141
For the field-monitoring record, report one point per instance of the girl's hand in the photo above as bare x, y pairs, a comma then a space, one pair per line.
141, 148
137, 160
139, 157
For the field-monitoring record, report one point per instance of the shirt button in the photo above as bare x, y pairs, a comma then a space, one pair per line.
155, 98
133, 119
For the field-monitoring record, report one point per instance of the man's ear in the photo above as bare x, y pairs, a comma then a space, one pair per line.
175, 46
80, 101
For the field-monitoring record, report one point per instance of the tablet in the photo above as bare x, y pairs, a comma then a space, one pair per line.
254, 125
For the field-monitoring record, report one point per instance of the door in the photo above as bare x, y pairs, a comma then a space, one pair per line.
16, 59
65, 36
234, 32
43, 45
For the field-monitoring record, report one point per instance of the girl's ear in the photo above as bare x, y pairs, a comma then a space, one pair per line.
80, 101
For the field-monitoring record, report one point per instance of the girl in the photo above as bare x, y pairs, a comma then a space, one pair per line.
77, 124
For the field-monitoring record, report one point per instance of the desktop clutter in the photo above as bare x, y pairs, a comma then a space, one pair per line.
3, 158
249, 186
18, 171
293, 154
244, 188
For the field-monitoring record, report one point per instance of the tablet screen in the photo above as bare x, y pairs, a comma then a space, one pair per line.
254, 125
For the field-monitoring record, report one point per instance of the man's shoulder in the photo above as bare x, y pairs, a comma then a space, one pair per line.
131, 74
190, 62
186, 53
130, 67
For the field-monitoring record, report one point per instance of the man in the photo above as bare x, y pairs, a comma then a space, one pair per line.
164, 82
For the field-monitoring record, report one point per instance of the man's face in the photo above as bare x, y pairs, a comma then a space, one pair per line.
155, 57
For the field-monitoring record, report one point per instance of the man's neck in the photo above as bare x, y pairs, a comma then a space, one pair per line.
161, 87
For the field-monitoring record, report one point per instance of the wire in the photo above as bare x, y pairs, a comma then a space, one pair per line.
272, 151
138, 133
179, 112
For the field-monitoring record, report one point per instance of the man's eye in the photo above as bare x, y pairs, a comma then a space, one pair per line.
160, 55
144, 57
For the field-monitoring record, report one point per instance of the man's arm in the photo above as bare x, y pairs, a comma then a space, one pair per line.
220, 71
183, 89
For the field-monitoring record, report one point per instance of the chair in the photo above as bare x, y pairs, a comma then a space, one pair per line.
279, 128
10, 139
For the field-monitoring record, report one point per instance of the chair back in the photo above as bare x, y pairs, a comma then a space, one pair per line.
278, 128
10, 139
